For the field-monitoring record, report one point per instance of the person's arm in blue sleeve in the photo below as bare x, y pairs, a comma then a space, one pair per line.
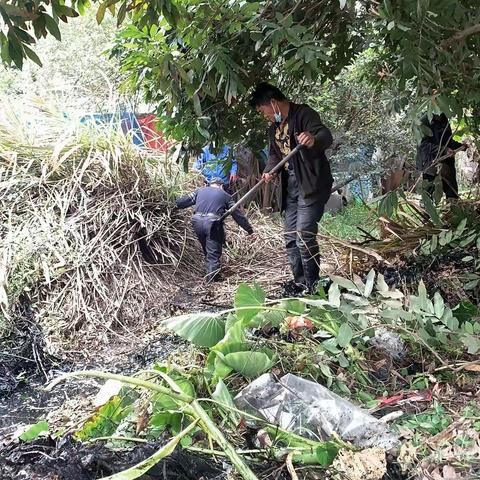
187, 200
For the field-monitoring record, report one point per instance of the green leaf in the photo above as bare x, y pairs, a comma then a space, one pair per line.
381, 284
326, 454
326, 371
122, 12
64, 11
234, 333
369, 283
345, 335
15, 50
247, 296
345, 283
161, 401
143, 467
101, 12
431, 210
222, 395
32, 55
248, 364
34, 431
196, 105
52, 26
460, 228
296, 307
215, 365
273, 318
472, 343
438, 305
106, 419
202, 329
334, 295
465, 311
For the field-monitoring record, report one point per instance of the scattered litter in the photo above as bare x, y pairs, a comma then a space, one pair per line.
369, 464
390, 417
405, 397
298, 322
391, 342
108, 390
311, 410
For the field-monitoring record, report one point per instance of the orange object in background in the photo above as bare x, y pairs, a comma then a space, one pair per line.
297, 322
154, 139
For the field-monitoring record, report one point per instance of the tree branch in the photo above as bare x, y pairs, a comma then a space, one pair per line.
461, 35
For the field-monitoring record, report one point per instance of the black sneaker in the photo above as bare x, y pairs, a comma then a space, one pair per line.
292, 289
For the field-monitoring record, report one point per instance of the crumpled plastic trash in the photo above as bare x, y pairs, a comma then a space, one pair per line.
312, 411
389, 341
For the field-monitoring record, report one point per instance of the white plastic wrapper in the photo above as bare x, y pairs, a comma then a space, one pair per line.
312, 411
390, 342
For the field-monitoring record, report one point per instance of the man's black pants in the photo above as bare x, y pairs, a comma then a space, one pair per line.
448, 175
301, 227
212, 248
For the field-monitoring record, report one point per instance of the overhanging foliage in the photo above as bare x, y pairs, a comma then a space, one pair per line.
196, 61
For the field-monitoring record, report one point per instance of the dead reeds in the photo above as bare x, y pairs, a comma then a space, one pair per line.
89, 237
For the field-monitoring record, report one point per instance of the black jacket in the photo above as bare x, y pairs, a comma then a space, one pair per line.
435, 145
214, 201
311, 166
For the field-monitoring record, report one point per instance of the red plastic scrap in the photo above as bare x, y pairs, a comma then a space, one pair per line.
405, 397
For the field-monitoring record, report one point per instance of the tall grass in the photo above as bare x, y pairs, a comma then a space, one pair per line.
88, 232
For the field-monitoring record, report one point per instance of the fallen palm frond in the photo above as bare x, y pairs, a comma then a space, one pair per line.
89, 237
412, 221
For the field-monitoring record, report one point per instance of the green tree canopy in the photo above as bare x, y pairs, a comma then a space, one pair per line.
197, 60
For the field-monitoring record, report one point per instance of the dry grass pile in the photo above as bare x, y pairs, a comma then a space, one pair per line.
89, 238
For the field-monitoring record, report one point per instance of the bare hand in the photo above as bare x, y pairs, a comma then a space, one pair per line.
252, 237
269, 177
306, 138
233, 177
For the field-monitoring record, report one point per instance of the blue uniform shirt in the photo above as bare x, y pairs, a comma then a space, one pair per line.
220, 165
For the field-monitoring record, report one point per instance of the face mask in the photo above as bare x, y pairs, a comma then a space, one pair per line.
277, 115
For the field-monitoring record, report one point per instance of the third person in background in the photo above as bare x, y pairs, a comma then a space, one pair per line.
433, 146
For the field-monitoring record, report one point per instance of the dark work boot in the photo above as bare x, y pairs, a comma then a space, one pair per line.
292, 289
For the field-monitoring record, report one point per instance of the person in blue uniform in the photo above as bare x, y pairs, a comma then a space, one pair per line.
210, 203
221, 165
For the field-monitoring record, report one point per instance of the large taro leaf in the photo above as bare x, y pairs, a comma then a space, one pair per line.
162, 401
273, 318
249, 364
248, 297
215, 364
202, 329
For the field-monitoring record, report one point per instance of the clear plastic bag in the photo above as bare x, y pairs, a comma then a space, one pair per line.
312, 411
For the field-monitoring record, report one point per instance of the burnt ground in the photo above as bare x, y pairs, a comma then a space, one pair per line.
25, 367
68, 459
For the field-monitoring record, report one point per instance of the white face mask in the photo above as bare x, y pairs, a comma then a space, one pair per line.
277, 115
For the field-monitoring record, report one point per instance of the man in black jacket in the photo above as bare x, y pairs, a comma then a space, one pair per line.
306, 180
210, 204
434, 146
